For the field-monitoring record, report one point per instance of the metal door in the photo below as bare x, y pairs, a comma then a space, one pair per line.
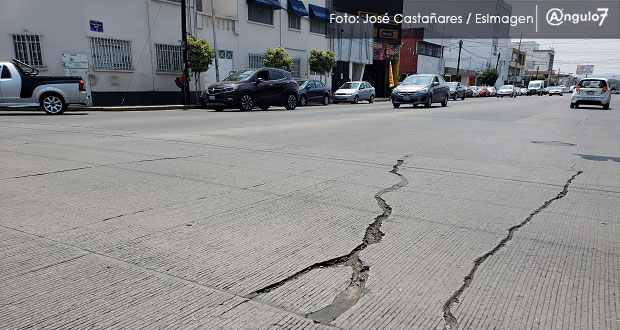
225, 61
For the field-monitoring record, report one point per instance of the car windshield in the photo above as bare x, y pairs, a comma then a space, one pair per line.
592, 84
240, 75
417, 80
302, 83
506, 87
350, 85
452, 84
535, 85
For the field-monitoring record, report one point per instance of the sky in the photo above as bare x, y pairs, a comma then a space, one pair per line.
604, 54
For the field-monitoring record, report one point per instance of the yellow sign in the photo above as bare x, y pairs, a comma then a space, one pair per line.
391, 76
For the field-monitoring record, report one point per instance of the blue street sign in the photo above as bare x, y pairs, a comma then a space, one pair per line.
96, 26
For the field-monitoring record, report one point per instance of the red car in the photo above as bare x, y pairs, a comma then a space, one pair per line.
484, 91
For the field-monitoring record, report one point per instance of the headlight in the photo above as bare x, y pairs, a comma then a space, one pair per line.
423, 90
395, 92
229, 88
451, 90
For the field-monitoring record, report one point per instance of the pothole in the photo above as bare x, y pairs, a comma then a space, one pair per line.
555, 143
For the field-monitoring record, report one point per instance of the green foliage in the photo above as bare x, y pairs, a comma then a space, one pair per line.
200, 55
488, 77
614, 83
539, 77
278, 58
322, 61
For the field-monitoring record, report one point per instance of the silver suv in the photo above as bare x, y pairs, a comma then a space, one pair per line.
591, 91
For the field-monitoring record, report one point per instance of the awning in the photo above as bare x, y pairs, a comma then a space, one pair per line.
297, 7
273, 4
319, 12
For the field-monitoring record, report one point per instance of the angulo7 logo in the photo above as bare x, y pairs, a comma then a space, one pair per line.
556, 16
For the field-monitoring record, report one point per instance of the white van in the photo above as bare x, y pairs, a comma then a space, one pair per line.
536, 87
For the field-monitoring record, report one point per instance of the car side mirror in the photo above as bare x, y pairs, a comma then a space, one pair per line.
435, 83
308, 87
362, 87
259, 80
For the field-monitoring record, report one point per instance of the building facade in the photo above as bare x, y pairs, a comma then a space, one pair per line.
128, 51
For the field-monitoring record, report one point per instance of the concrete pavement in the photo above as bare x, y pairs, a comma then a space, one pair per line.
490, 213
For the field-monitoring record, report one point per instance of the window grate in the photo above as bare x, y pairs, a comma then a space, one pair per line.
318, 26
111, 54
294, 22
28, 49
225, 54
169, 58
296, 71
256, 61
260, 14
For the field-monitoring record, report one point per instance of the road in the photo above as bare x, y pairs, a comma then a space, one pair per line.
487, 214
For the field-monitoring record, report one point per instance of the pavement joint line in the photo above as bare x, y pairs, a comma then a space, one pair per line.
153, 272
360, 272
449, 318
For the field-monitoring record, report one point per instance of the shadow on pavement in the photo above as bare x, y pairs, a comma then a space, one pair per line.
599, 158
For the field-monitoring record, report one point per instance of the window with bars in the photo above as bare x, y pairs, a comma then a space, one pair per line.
111, 54
225, 54
296, 71
318, 26
169, 58
294, 21
256, 61
28, 49
260, 14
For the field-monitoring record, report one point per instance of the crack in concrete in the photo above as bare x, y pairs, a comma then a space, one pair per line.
449, 318
347, 298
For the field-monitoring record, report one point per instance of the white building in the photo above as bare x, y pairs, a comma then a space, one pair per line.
132, 47
536, 58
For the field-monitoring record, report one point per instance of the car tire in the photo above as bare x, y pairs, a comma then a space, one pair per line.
53, 104
356, 99
246, 102
264, 107
572, 106
576, 106
454, 98
303, 101
606, 106
335, 102
219, 109
444, 103
396, 105
429, 101
463, 98
371, 99
291, 101
325, 100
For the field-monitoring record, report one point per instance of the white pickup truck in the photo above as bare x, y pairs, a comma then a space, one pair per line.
21, 87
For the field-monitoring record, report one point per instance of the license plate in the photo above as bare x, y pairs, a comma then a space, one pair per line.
590, 99
406, 98
211, 98
590, 93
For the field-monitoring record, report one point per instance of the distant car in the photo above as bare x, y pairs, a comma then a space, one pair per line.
475, 91
507, 90
355, 91
558, 90
545, 90
536, 87
457, 90
484, 91
615, 91
249, 88
313, 91
492, 91
421, 89
469, 92
565, 89
591, 91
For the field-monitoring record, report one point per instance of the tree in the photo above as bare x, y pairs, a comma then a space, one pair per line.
200, 56
278, 58
539, 77
322, 61
488, 77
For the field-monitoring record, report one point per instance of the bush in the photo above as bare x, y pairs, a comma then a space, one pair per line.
488, 77
278, 58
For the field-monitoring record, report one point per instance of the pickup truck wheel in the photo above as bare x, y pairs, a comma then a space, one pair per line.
53, 104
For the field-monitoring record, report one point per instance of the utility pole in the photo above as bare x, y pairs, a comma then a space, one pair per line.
185, 59
497, 63
458, 62
537, 67
217, 63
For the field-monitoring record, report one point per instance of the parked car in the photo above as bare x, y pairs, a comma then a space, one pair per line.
507, 90
21, 87
249, 88
469, 92
475, 91
571, 88
591, 91
492, 91
545, 90
484, 91
313, 91
565, 89
536, 87
558, 90
355, 91
421, 89
457, 90
523, 91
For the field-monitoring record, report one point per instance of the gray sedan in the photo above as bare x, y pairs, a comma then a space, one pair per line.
354, 91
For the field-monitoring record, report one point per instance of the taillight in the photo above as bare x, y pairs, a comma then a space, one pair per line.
82, 88
578, 89
604, 90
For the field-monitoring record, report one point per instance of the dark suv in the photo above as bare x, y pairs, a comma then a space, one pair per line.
246, 89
